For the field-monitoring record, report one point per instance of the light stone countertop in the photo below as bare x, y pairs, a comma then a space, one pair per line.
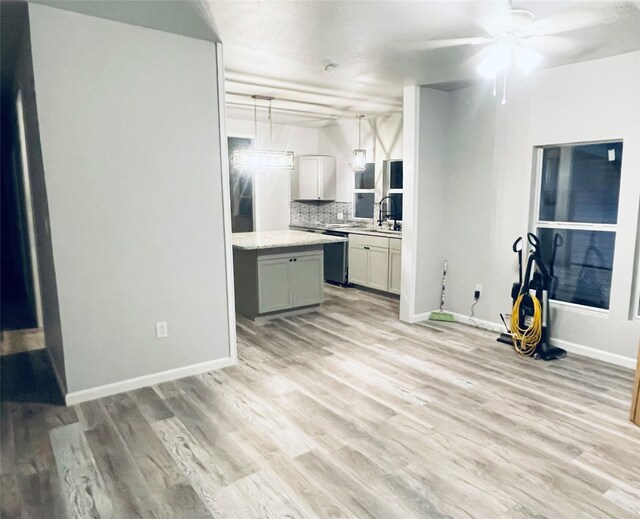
280, 239
354, 230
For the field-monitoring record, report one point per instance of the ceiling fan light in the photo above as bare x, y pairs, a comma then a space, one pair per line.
496, 61
528, 59
359, 160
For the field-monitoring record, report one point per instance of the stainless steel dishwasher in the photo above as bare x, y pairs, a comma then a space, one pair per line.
336, 260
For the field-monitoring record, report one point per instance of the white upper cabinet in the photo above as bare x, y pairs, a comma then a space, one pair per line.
314, 178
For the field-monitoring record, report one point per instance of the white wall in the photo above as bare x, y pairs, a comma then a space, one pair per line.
381, 137
131, 156
489, 182
272, 188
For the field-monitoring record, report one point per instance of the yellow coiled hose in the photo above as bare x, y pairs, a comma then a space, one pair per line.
526, 339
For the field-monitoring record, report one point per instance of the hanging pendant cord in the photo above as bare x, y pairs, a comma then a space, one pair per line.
359, 132
270, 126
255, 120
504, 88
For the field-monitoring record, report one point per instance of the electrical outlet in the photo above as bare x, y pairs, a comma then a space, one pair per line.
162, 330
479, 288
340, 216
478, 291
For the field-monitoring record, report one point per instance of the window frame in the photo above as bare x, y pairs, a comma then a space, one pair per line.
387, 190
535, 222
357, 191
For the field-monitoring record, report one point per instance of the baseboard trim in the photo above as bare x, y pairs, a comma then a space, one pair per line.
416, 318
460, 318
77, 397
578, 349
56, 373
593, 353
479, 323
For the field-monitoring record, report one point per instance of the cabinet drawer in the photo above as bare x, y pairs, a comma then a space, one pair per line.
370, 241
266, 256
395, 243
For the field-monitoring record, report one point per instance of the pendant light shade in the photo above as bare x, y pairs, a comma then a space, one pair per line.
262, 159
359, 154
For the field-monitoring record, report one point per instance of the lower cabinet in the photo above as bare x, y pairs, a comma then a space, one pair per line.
290, 281
395, 265
374, 262
358, 264
378, 268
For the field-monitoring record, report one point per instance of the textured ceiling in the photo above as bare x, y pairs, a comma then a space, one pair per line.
277, 48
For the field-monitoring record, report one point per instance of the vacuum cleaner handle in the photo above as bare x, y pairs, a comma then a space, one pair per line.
534, 240
558, 241
517, 247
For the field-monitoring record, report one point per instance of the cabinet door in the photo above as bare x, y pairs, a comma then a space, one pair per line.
308, 178
358, 264
307, 273
378, 268
394, 271
274, 285
327, 178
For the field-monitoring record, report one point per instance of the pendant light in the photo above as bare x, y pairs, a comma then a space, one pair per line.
259, 158
360, 154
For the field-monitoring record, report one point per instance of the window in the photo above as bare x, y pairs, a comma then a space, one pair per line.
241, 186
393, 174
576, 220
364, 194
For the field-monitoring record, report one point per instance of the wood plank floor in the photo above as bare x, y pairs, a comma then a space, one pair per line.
346, 412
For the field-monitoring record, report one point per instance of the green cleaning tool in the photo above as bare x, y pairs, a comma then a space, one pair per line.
441, 315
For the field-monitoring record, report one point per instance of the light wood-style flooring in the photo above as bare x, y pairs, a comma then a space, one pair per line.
345, 412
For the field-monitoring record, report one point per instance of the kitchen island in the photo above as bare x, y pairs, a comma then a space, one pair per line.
278, 272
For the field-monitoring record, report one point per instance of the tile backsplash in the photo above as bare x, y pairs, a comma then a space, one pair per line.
319, 212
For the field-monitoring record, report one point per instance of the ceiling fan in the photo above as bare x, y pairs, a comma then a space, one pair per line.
514, 35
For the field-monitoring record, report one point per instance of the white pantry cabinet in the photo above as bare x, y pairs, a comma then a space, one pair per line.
314, 178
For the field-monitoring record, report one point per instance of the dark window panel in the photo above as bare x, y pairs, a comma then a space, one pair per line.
582, 267
366, 179
581, 183
363, 205
395, 174
395, 206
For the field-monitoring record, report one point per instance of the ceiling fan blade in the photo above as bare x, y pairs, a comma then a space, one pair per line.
568, 21
552, 44
442, 44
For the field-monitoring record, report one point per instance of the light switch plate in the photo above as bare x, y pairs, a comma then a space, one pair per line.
162, 330
340, 216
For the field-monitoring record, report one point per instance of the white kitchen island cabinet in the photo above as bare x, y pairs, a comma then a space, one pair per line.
290, 280
277, 272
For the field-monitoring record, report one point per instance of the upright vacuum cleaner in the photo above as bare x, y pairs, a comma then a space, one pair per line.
529, 330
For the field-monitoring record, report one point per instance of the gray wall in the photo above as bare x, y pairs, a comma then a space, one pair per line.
131, 152
473, 205
431, 222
